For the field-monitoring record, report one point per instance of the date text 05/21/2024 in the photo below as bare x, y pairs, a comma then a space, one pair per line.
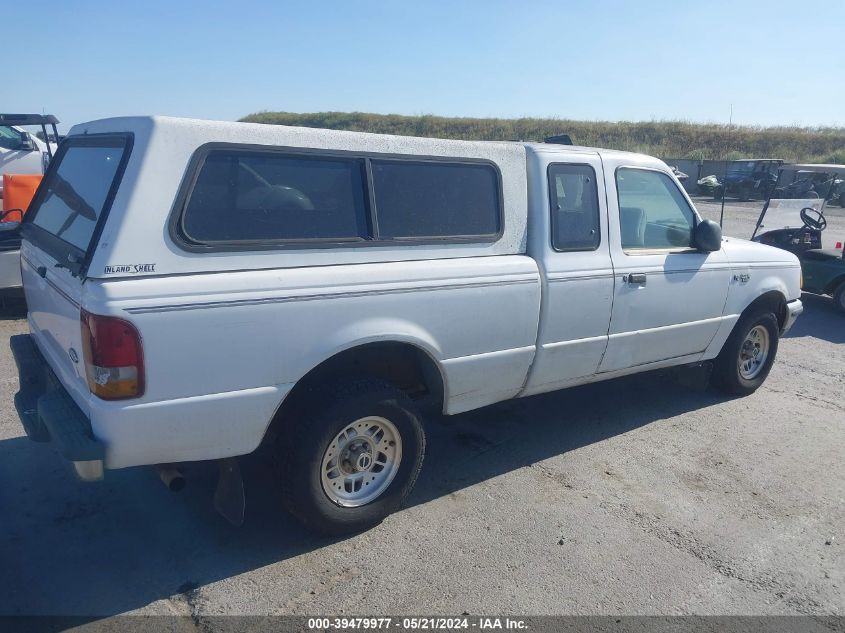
417, 623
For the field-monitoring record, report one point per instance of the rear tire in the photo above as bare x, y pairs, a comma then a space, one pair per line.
341, 440
747, 357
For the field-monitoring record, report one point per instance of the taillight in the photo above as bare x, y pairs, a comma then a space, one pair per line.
114, 362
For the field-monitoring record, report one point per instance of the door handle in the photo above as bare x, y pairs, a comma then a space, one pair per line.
636, 279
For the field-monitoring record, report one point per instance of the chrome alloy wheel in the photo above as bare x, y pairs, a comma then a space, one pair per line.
361, 461
754, 352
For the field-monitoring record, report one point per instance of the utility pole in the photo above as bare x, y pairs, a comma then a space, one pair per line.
725, 172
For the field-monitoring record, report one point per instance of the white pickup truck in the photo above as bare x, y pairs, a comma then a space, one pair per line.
199, 288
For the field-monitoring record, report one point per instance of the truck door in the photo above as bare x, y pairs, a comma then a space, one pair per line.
569, 240
669, 297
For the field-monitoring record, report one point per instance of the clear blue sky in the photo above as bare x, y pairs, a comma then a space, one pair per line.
777, 62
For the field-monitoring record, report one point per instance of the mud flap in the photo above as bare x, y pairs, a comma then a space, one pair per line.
695, 377
229, 498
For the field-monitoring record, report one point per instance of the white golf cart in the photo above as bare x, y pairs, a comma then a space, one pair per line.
793, 219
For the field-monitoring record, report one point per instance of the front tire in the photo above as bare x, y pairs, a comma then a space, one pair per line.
747, 357
350, 455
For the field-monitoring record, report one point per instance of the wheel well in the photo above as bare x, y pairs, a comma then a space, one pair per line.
403, 364
773, 301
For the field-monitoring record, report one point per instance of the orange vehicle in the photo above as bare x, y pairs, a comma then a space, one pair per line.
18, 190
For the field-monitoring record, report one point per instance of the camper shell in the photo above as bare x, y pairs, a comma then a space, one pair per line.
159, 175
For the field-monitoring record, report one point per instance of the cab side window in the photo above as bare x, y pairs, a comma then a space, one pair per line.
573, 197
653, 214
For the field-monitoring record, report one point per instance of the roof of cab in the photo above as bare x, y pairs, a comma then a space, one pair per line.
28, 119
553, 148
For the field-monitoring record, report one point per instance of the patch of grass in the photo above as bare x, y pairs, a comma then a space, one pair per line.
669, 139
836, 157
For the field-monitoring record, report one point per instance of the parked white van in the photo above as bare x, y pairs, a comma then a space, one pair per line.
199, 288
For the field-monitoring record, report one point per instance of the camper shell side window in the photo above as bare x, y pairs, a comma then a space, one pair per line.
256, 197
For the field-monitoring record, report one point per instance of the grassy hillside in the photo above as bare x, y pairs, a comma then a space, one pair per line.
667, 139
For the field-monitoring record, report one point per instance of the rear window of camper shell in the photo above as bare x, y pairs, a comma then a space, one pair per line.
69, 208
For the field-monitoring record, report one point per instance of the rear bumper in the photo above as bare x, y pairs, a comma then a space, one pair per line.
49, 414
793, 311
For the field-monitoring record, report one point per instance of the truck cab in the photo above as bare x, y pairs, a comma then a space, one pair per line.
620, 242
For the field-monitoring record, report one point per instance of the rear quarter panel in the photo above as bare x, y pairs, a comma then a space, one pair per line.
222, 350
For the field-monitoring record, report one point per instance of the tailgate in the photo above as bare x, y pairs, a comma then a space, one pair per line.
60, 233
52, 297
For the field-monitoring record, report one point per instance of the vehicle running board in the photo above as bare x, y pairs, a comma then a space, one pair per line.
229, 498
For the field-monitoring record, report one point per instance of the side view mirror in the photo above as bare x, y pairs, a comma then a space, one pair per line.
708, 236
27, 144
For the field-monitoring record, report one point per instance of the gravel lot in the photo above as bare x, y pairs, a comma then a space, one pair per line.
636, 496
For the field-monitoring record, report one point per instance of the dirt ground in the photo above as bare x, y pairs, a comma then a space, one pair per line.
635, 496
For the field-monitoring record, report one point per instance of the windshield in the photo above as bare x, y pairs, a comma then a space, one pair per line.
797, 189
77, 188
10, 138
786, 214
808, 184
745, 167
